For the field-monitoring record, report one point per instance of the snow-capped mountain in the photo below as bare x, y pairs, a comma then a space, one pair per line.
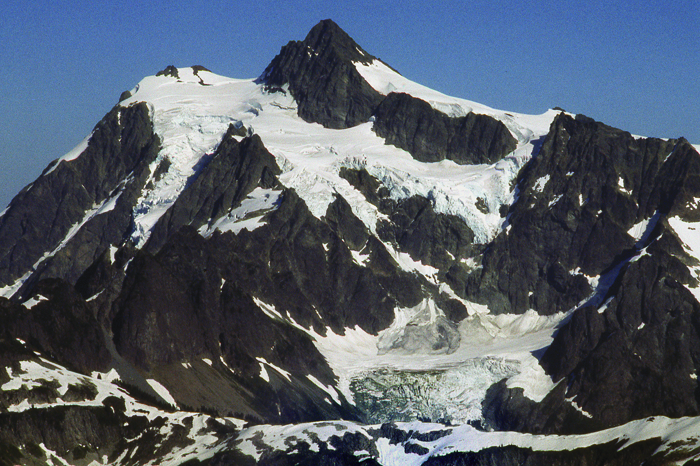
331, 264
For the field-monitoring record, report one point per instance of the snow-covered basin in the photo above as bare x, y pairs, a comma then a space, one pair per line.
514, 339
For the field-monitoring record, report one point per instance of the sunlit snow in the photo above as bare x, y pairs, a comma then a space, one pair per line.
247, 216
674, 434
689, 234
191, 119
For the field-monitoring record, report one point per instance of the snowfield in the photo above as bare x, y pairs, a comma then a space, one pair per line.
191, 118
675, 435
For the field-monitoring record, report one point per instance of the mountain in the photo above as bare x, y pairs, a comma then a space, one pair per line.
331, 264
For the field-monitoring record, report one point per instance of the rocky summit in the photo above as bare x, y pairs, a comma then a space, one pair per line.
332, 264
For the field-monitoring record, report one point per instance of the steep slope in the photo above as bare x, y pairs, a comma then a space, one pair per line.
320, 75
81, 204
414, 258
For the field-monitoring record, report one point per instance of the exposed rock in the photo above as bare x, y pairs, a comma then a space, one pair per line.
635, 356
567, 224
430, 135
60, 325
323, 79
430, 237
169, 70
196, 297
349, 228
507, 409
235, 169
42, 214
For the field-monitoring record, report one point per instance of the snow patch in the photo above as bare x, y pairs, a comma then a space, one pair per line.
281, 371
541, 183
360, 259
555, 200
263, 373
247, 216
641, 231
406, 262
33, 301
326, 388
94, 297
689, 234
72, 154
621, 186
110, 376
268, 309
604, 307
162, 391
578, 408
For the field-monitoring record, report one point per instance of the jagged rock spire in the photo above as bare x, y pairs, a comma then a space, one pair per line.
327, 34
322, 77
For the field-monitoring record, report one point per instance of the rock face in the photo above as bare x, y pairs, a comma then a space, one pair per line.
635, 339
59, 324
322, 78
641, 349
430, 135
109, 173
235, 169
567, 225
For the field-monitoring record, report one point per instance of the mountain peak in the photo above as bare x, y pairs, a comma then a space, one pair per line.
322, 76
327, 34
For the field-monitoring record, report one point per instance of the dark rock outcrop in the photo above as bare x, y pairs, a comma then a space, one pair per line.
413, 225
59, 324
567, 224
40, 217
632, 350
197, 298
508, 409
323, 79
430, 135
169, 70
637, 355
233, 171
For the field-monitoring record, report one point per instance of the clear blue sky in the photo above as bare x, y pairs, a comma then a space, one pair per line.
634, 65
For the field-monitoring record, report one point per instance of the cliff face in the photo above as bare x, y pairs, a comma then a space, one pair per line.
577, 204
109, 174
430, 135
322, 77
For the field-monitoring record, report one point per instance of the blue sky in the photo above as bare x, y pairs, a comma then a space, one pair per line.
634, 65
